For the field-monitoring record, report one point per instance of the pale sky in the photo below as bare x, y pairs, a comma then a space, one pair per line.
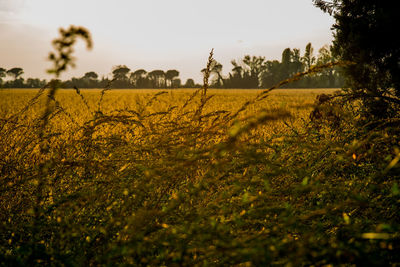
158, 34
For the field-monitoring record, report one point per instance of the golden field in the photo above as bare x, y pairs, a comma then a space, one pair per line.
156, 111
298, 102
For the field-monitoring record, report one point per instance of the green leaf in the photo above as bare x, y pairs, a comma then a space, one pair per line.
395, 189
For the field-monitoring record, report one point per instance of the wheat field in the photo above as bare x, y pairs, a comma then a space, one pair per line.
299, 102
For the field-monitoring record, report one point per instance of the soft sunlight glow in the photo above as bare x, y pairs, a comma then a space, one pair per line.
159, 34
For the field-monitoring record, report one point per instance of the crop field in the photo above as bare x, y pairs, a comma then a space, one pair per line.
298, 102
186, 177
229, 99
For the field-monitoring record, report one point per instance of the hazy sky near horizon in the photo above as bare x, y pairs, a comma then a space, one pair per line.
158, 34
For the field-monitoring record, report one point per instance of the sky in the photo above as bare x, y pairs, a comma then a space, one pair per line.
158, 34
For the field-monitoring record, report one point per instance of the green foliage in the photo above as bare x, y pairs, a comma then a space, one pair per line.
189, 83
2, 73
246, 73
157, 78
15, 72
364, 35
255, 72
120, 76
91, 75
120, 72
170, 76
308, 58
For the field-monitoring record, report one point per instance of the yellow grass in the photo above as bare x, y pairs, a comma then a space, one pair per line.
297, 101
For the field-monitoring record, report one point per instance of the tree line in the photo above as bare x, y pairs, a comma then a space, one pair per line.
257, 72
17, 81
248, 72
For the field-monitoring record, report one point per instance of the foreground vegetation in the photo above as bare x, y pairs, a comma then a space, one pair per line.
180, 177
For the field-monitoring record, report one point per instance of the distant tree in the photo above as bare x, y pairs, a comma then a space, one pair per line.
236, 76
176, 83
237, 70
324, 55
308, 57
153, 78
216, 68
120, 72
286, 56
365, 34
91, 75
286, 69
120, 77
246, 73
170, 75
255, 66
329, 77
215, 71
157, 78
89, 80
15, 72
34, 83
297, 65
17, 83
138, 78
139, 73
189, 83
3, 73
252, 69
272, 73
103, 82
